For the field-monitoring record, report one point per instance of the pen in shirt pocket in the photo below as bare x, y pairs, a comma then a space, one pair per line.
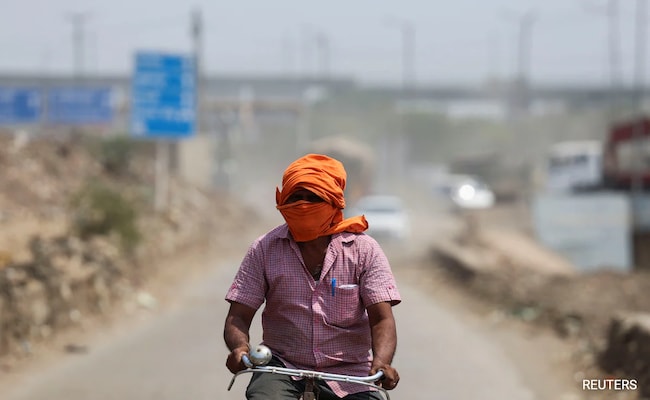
333, 286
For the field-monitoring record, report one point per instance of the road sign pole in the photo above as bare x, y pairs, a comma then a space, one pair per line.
161, 183
163, 108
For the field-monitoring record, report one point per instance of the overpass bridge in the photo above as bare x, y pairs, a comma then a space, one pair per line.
299, 89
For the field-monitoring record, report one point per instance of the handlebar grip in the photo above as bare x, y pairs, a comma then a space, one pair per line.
247, 362
378, 376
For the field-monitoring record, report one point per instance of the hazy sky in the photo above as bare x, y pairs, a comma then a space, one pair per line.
457, 41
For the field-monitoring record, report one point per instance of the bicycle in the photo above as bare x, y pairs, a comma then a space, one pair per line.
259, 356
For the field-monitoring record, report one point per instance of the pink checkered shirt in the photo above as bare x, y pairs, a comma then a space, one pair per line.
314, 324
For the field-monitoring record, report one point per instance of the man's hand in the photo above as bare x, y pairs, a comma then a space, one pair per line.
234, 361
390, 379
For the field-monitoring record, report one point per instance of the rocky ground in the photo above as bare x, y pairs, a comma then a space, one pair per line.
54, 279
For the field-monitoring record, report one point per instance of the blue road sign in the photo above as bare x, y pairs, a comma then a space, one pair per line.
19, 105
163, 96
79, 106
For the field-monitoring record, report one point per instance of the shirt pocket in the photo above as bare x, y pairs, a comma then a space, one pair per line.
343, 306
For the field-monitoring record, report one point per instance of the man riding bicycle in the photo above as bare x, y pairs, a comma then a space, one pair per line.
328, 289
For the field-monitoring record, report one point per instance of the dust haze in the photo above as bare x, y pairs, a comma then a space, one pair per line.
509, 139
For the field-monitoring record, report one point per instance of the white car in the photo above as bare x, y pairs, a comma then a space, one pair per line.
466, 192
386, 215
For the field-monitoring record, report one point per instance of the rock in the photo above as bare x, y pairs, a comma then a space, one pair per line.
75, 349
75, 316
526, 313
569, 325
146, 300
26, 346
6, 257
628, 349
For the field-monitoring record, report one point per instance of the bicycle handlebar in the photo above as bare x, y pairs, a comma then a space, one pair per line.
302, 373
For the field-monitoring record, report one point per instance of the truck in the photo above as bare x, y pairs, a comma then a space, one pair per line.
626, 155
619, 162
574, 166
613, 171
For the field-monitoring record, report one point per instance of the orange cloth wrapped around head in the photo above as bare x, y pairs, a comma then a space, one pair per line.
325, 177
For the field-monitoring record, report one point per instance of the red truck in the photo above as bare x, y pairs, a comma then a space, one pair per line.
626, 157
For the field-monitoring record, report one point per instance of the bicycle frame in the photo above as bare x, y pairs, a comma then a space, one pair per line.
302, 373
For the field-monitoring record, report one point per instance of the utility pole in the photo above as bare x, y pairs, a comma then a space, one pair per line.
288, 56
196, 36
323, 44
306, 51
78, 21
315, 52
614, 47
640, 51
408, 56
407, 31
611, 11
492, 72
639, 83
197, 51
524, 40
520, 96
396, 146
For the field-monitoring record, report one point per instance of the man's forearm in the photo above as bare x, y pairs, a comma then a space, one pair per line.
236, 334
384, 341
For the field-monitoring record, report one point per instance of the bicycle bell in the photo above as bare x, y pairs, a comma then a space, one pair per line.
260, 355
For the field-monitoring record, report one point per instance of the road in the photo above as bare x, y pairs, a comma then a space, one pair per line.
177, 353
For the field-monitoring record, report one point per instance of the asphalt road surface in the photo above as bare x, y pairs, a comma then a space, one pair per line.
178, 354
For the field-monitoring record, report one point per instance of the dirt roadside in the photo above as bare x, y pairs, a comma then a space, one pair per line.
499, 271
545, 361
158, 295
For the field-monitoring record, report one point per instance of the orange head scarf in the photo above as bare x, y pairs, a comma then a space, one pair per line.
325, 177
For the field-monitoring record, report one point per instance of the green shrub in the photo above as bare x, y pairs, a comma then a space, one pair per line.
99, 210
115, 154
